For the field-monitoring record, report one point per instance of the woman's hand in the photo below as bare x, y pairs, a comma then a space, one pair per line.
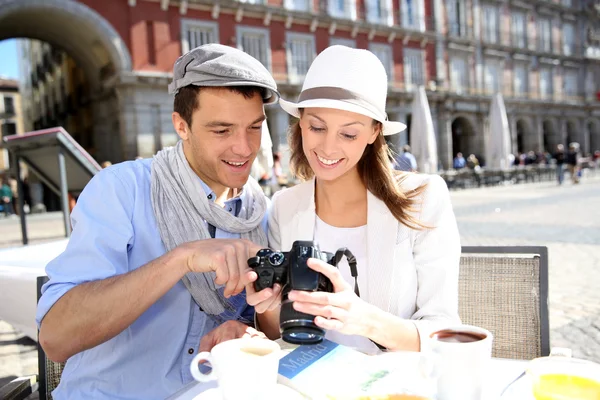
341, 310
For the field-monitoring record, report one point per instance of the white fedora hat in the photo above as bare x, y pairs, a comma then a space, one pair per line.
346, 79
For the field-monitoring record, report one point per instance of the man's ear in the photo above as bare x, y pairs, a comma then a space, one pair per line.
181, 127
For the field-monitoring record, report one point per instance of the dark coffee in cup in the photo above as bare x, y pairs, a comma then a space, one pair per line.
450, 336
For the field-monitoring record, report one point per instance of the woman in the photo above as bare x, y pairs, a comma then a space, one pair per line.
400, 226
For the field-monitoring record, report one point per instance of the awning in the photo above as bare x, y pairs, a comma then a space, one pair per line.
57, 159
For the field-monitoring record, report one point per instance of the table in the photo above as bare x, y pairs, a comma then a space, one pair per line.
19, 269
502, 372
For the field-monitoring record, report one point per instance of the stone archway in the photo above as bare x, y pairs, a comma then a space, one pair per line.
463, 138
551, 136
93, 44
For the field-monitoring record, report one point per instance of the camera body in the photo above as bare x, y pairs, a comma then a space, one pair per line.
290, 270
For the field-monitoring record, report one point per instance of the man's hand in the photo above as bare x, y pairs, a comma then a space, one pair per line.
228, 331
227, 257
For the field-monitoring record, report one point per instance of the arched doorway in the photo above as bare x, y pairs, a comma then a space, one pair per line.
550, 136
91, 55
521, 132
463, 137
594, 136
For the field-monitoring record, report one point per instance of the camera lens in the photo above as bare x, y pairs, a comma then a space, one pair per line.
297, 327
276, 258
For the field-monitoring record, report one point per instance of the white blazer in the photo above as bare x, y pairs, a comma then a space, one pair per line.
413, 274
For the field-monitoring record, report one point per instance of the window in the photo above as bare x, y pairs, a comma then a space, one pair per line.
571, 83
490, 24
520, 73
342, 8
544, 35
298, 5
9, 105
256, 42
379, 12
413, 14
459, 77
568, 39
197, 33
9, 128
457, 18
343, 42
413, 68
300, 54
545, 83
492, 76
519, 30
384, 53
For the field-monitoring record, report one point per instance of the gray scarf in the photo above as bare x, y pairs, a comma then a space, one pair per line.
182, 212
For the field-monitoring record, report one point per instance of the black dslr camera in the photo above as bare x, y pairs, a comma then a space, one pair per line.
290, 270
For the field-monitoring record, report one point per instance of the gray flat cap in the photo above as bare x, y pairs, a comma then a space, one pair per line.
219, 65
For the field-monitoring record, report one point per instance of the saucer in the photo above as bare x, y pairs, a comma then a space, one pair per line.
280, 392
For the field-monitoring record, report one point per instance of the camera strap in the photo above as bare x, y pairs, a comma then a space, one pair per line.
354, 272
351, 262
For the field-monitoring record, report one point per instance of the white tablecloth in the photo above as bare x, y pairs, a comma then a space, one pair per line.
502, 372
19, 269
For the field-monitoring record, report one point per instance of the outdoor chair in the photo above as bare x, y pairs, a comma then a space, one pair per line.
505, 290
49, 372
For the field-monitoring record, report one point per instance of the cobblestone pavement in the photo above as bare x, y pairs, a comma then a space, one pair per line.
566, 219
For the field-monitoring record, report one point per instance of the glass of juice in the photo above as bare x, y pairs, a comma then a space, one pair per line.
564, 378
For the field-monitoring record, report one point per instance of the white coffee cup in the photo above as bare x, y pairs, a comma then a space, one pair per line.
244, 368
463, 353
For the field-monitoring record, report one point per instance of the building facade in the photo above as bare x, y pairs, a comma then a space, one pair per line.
543, 56
11, 119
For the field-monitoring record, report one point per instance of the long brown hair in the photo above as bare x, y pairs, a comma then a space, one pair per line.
375, 172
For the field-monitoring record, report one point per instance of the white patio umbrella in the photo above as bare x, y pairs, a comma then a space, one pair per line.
422, 137
498, 148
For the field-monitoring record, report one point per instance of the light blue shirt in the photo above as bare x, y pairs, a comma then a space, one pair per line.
406, 162
115, 232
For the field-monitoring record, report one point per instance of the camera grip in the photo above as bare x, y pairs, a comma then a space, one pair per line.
266, 278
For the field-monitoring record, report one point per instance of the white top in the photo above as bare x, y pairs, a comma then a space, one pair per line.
412, 274
330, 238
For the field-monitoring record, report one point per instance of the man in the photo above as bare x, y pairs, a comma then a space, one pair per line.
459, 161
560, 158
573, 162
156, 265
6, 196
406, 161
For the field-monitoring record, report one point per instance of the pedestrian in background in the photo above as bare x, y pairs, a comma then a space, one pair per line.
406, 161
560, 158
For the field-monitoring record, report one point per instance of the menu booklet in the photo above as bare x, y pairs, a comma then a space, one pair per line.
335, 372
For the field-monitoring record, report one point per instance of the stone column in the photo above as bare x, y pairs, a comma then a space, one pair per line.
538, 130
128, 123
279, 123
445, 138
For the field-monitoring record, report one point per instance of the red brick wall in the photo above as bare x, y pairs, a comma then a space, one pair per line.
157, 50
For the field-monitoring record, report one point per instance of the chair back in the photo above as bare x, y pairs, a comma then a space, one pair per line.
49, 370
505, 290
